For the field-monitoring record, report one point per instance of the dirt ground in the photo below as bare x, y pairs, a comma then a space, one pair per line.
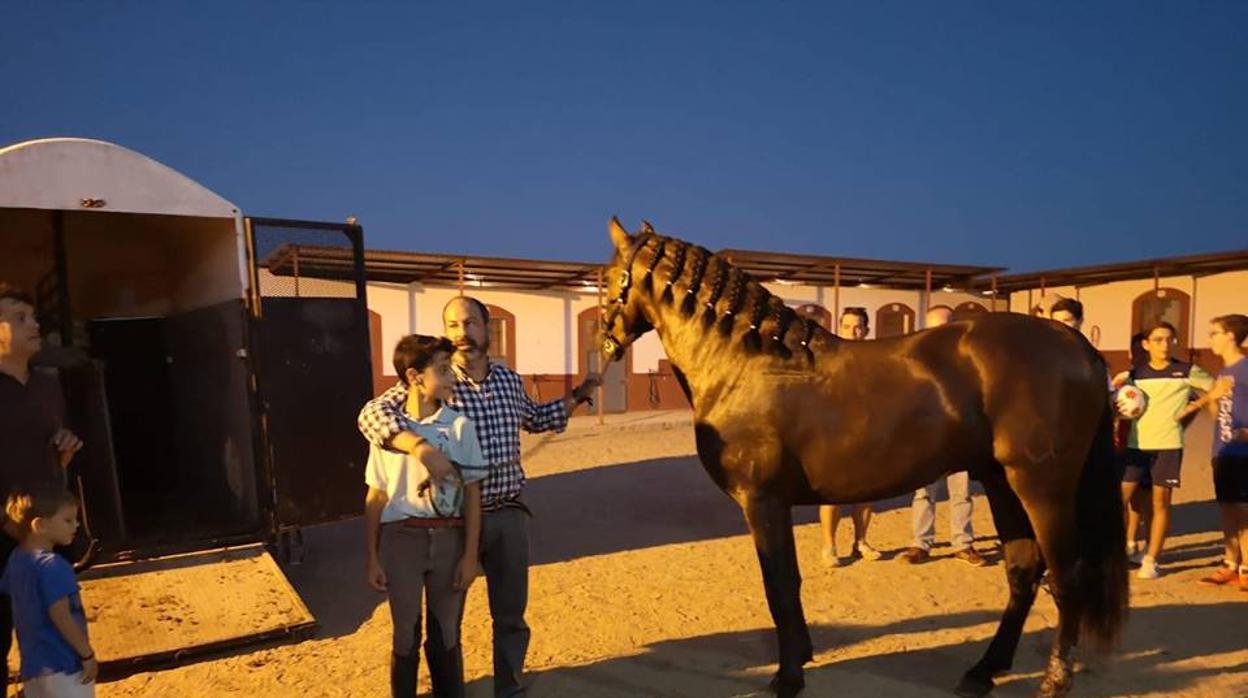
645, 584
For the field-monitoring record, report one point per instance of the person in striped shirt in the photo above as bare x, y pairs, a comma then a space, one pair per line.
1155, 445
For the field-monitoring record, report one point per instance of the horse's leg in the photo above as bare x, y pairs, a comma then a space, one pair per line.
771, 524
1023, 568
1054, 517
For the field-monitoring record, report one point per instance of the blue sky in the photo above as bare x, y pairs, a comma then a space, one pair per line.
1027, 135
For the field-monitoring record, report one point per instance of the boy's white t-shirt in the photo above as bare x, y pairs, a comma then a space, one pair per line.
400, 476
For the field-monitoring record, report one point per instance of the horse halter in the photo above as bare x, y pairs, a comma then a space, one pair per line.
609, 345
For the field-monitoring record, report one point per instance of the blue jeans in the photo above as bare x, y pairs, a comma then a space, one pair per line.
923, 512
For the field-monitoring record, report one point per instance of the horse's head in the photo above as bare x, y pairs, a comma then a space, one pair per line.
626, 317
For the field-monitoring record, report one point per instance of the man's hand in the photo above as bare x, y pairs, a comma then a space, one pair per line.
1240, 435
583, 392
465, 573
90, 670
1120, 380
589, 385
435, 461
66, 444
376, 575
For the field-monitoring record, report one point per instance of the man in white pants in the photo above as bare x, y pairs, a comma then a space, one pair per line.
923, 509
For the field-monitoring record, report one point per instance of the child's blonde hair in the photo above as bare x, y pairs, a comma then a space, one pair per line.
40, 501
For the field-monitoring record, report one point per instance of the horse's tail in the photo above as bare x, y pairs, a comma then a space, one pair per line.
1101, 571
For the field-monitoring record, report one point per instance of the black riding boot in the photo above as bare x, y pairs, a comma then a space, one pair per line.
446, 666
403, 673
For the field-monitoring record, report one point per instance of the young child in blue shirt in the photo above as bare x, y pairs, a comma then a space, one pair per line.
57, 659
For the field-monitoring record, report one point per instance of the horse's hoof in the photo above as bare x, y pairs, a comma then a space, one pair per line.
1053, 688
972, 686
1055, 685
1058, 679
787, 686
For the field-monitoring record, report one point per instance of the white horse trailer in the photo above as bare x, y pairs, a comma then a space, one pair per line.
215, 392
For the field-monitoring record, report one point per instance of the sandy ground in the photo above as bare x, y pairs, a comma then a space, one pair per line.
645, 584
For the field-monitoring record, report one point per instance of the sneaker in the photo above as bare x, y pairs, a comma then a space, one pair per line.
970, 557
1223, 575
1148, 568
866, 552
914, 555
830, 558
1136, 551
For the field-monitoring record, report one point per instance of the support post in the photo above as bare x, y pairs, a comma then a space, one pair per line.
836, 295
602, 311
296, 269
927, 296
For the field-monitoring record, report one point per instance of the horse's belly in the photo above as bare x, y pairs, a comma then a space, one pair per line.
846, 475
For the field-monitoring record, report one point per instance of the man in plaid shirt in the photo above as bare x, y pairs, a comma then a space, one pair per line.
493, 397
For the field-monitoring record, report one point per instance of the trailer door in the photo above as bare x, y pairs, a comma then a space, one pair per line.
310, 342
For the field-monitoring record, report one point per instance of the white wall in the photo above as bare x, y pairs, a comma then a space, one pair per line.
546, 322
1107, 307
1220, 294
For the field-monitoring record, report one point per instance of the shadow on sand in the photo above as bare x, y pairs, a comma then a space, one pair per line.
600, 511
740, 664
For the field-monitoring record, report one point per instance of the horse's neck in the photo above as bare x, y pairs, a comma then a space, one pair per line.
708, 360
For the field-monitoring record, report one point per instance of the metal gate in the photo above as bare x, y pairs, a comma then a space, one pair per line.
311, 344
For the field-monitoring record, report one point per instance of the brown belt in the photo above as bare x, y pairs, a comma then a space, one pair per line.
418, 522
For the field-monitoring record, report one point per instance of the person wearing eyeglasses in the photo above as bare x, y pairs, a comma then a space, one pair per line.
1154, 452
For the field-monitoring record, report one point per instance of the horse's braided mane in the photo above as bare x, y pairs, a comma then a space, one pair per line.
700, 257
722, 270
742, 291
647, 281
678, 267
740, 282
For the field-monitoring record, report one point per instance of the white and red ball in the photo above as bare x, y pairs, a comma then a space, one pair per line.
1130, 402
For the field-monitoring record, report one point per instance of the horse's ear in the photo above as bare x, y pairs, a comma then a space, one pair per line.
619, 236
646, 227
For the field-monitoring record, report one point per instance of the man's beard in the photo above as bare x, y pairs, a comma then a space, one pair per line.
468, 347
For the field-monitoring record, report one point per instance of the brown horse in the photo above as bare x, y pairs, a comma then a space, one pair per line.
786, 414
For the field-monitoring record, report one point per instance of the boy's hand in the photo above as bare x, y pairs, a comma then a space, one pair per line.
1192, 408
1120, 380
465, 573
1241, 435
376, 576
1221, 388
67, 444
90, 670
435, 461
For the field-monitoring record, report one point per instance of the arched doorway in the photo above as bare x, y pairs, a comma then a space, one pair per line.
939, 307
502, 336
615, 379
1163, 305
968, 310
893, 320
813, 311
